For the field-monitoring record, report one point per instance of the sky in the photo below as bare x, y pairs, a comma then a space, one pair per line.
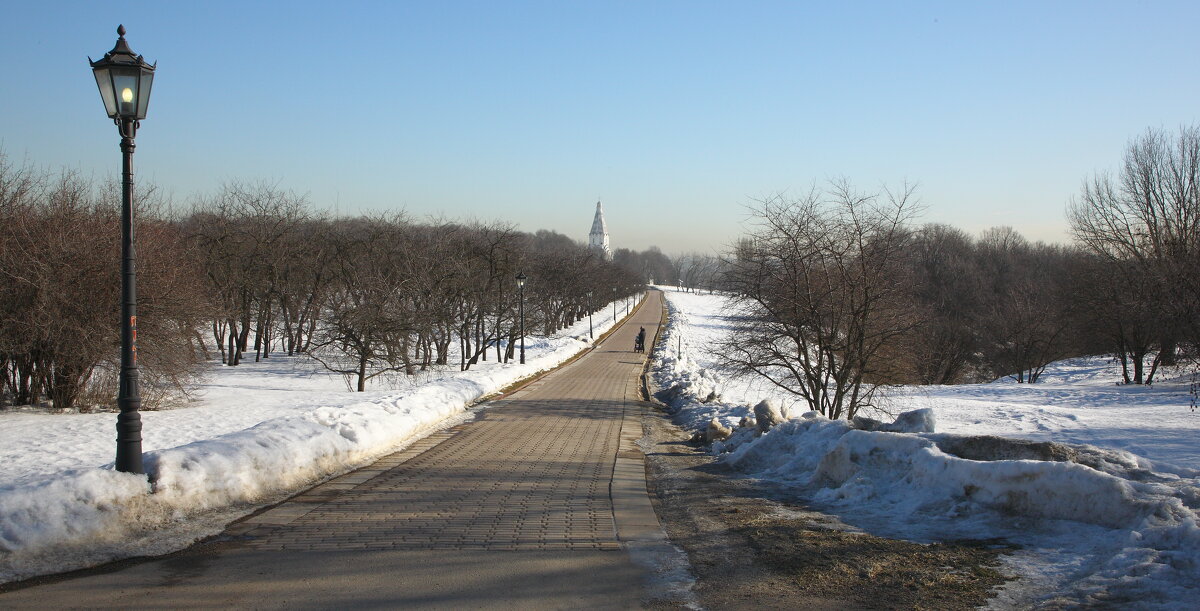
677, 115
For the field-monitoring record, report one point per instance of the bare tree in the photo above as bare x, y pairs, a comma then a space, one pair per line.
243, 233
1148, 216
302, 276
650, 265
1024, 317
1122, 310
947, 284
360, 334
59, 288
696, 271
819, 288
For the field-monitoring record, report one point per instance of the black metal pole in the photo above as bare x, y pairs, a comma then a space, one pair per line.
591, 334
522, 309
129, 421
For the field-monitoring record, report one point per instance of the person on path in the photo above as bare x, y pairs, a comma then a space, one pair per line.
640, 344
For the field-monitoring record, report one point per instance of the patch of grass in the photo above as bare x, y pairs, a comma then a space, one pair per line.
877, 572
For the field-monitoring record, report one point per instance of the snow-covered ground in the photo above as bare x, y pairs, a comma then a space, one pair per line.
253, 435
1121, 533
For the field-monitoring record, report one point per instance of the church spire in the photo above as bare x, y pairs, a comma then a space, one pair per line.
598, 238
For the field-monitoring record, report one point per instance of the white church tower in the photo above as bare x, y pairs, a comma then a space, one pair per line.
598, 238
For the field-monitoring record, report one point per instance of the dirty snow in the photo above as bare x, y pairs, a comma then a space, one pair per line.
1121, 533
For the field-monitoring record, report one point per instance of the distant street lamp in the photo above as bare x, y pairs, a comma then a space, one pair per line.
124, 79
521, 307
614, 305
590, 333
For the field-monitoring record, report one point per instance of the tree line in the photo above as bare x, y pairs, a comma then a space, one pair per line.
838, 291
252, 271
834, 292
59, 291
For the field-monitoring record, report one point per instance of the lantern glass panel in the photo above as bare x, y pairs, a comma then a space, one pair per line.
143, 100
104, 82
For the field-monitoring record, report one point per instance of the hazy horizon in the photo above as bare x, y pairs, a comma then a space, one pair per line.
675, 115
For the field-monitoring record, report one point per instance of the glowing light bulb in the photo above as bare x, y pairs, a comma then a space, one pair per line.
127, 95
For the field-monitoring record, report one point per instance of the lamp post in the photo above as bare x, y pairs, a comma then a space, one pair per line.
590, 333
614, 305
124, 79
521, 308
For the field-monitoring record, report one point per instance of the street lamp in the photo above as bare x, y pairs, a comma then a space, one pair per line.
590, 333
521, 290
124, 79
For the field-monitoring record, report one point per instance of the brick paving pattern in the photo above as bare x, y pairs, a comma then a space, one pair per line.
540, 503
532, 472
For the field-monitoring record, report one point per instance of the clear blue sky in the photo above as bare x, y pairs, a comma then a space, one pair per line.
676, 114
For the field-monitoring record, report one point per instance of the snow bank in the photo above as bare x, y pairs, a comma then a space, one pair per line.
911, 474
286, 453
907, 477
1097, 526
92, 512
683, 383
88, 515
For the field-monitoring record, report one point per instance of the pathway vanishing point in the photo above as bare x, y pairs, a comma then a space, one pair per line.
540, 503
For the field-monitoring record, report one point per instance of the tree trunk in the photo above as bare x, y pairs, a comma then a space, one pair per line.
362, 373
267, 335
1166, 351
289, 342
1124, 356
480, 342
464, 345
64, 387
1138, 367
219, 335
24, 384
258, 338
443, 351
234, 353
308, 334
405, 357
199, 339
1153, 368
244, 336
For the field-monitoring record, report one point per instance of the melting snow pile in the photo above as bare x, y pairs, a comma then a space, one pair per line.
1095, 525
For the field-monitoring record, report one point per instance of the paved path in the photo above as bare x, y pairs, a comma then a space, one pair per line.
539, 503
